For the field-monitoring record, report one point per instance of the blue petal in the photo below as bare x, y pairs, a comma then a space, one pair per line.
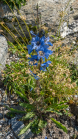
50, 43
35, 76
43, 69
45, 137
32, 33
47, 39
34, 57
31, 89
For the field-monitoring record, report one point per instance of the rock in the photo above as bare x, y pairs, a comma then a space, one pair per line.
10, 135
2, 122
1, 115
3, 52
51, 12
68, 30
0, 126
17, 126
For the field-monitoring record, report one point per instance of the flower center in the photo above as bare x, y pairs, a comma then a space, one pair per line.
38, 43
41, 53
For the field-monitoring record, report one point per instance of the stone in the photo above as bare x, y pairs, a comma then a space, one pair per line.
1, 115
3, 52
17, 126
51, 12
2, 122
0, 126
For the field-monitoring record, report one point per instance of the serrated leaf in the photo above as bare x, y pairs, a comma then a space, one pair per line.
28, 115
23, 130
59, 125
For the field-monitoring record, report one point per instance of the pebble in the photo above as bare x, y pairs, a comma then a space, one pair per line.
0, 126
9, 122
1, 134
2, 122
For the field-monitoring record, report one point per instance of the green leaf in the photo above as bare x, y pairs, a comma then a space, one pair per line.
59, 125
22, 95
9, 88
17, 1
38, 99
53, 110
15, 110
42, 124
23, 130
29, 115
28, 106
57, 107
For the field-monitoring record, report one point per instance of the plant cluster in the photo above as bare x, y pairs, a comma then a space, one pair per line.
41, 91
42, 81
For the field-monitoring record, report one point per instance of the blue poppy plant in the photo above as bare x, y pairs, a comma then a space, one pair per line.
40, 45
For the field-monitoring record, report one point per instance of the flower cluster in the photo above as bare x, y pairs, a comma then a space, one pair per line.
40, 44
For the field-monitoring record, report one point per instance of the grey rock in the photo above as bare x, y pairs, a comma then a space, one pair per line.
9, 121
1, 104
17, 126
1, 115
3, 52
11, 135
1, 134
50, 10
2, 122
67, 30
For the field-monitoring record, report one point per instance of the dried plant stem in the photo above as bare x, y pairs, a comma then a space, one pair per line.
11, 43
23, 21
19, 34
61, 19
13, 36
17, 21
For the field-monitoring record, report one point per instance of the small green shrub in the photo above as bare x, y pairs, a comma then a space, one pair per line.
51, 97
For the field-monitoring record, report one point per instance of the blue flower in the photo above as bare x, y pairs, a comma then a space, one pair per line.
37, 43
35, 76
40, 44
49, 43
44, 65
33, 59
44, 53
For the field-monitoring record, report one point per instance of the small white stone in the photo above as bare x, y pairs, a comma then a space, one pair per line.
0, 126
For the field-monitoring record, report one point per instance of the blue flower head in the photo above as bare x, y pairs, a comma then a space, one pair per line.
40, 44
